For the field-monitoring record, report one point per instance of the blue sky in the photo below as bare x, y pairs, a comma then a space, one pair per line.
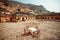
51, 5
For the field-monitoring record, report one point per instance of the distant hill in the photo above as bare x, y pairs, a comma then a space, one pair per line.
22, 7
38, 9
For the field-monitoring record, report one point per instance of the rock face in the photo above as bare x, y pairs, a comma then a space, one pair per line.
49, 30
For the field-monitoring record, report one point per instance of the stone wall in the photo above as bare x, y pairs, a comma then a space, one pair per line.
49, 17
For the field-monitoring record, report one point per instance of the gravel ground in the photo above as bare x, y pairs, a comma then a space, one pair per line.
49, 30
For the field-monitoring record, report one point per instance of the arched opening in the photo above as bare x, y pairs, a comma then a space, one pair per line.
52, 17
23, 19
56, 18
42, 17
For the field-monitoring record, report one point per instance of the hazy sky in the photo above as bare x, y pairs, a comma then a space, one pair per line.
51, 5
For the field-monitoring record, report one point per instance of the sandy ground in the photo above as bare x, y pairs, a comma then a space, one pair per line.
49, 30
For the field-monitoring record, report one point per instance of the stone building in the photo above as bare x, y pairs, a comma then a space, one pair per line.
22, 17
49, 16
5, 18
17, 17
